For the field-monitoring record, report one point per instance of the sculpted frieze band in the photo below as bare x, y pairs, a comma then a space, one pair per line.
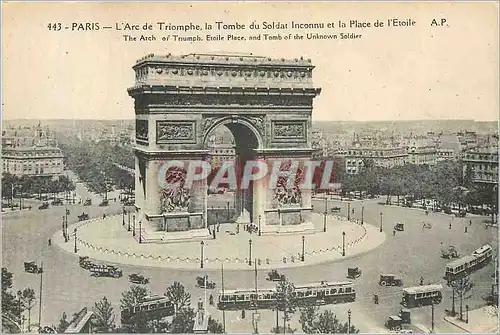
228, 100
289, 130
175, 131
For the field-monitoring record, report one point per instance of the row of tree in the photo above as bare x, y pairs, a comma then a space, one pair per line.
97, 164
445, 183
15, 187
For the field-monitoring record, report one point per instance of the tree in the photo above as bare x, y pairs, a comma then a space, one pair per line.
28, 297
461, 287
10, 308
285, 300
307, 319
63, 323
214, 326
104, 318
137, 322
178, 296
183, 321
313, 322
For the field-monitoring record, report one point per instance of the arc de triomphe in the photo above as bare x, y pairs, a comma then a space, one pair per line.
179, 100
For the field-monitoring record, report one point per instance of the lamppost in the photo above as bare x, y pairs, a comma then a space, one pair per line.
123, 216
343, 243
201, 258
250, 252
324, 221
348, 321
64, 230
133, 232
19, 296
362, 213
432, 317
76, 250
140, 232
260, 217
381, 221
128, 213
326, 203
348, 211
303, 247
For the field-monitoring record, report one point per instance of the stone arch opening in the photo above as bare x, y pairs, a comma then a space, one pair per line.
246, 142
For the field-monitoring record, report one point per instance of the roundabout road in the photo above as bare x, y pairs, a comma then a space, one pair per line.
412, 253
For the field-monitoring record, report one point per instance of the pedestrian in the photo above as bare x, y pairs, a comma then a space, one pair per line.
218, 226
211, 300
470, 222
449, 226
421, 281
237, 228
394, 232
50, 242
353, 211
242, 313
465, 230
213, 231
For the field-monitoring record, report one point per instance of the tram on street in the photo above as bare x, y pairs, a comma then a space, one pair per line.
422, 295
467, 264
154, 306
316, 293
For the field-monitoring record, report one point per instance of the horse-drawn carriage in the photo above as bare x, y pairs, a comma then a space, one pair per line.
275, 276
83, 217
203, 282
449, 253
104, 203
138, 279
99, 270
399, 226
87, 202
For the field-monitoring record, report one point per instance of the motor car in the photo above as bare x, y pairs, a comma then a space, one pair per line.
203, 282
45, 205
275, 276
83, 216
353, 273
138, 279
390, 280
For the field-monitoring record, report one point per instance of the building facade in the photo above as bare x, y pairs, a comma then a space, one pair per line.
483, 165
386, 157
32, 152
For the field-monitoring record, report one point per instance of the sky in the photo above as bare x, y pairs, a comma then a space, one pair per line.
397, 73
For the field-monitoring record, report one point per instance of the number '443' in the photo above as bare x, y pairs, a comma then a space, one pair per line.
54, 26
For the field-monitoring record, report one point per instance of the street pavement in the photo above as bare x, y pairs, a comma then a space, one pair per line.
411, 254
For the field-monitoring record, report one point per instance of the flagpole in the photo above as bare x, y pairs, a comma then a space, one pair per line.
40, 300
223, 309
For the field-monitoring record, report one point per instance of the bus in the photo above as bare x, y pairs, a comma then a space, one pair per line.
155, 306
315, 293
422, 295
467, 264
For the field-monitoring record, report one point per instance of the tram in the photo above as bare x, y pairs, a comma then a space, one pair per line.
315, 293
467, 264
422, 295
155, 306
